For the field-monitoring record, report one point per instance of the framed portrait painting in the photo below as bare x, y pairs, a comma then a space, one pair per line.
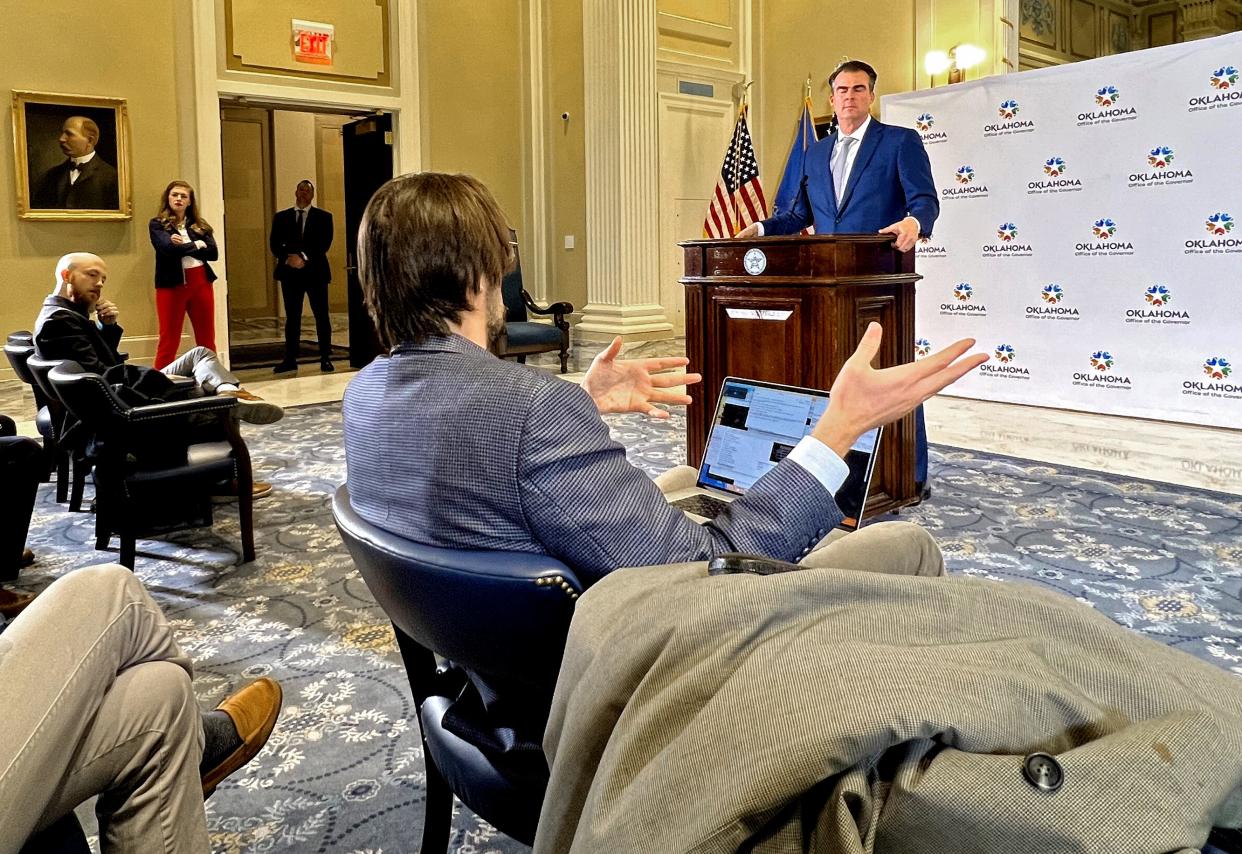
71, 157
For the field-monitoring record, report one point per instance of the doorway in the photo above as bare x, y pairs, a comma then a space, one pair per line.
266, 151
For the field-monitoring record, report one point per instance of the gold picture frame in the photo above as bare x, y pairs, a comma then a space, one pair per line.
48, 130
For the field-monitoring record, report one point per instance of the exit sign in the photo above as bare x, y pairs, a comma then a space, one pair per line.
312, 42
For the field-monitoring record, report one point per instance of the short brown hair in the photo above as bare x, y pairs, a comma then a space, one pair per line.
853, 65
426, 243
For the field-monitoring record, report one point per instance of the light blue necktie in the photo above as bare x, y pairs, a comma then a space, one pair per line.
840, 157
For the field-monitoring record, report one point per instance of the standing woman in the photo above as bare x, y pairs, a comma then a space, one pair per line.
183, 246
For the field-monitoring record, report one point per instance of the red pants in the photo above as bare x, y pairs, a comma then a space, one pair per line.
196, 298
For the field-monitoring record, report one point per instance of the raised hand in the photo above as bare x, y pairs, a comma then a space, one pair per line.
106, 311
863, 397
635, 385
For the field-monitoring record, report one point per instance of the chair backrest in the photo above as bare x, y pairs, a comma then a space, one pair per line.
511, 286
501, 615
86, 395
18, 350
40, 370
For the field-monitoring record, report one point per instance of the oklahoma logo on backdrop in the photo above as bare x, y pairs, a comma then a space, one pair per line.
1050, 306
1214, 381
1003, 367
1101, 373
1104, 230
922, 347
1220, 239
1162, 171
963, 304
1156, 308
927, 249
1107, 98
1055, 181
1009, 122
1223, 84
965, 188
924, 123
1007, 245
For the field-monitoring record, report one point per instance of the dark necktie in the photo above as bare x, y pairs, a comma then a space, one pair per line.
301, 214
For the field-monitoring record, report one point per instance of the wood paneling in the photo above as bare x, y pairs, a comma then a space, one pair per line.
1082, 31
258, 38
246, 144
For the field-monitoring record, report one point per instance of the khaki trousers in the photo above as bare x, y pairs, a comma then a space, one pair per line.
96, 700
895, 548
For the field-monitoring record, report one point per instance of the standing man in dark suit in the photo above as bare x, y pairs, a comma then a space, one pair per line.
85, 181
866, 177
301, 237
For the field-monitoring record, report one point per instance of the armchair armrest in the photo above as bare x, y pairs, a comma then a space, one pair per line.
556, 308
180, 408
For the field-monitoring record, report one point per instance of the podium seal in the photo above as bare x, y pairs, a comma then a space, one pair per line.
754, 261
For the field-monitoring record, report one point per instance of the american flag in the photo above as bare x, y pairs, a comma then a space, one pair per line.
738, 200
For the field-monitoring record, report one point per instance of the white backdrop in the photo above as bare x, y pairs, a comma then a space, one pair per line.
1090, 231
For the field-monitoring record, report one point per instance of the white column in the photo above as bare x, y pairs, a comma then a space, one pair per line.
622, 164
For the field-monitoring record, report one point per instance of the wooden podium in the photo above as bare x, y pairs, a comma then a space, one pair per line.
791, 310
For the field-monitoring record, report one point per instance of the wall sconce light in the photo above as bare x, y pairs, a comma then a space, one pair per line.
956, 61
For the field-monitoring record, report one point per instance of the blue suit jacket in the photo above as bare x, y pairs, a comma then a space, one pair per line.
891, 179
449, 446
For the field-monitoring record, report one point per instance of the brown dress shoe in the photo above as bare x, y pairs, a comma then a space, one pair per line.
253, 710
260, 488
12, 604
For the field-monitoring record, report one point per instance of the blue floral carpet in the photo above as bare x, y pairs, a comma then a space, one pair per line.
343, 771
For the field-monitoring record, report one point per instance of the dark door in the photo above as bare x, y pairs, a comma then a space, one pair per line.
368, 164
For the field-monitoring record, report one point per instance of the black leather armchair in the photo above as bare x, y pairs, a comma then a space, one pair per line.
500, 619
58, 428
522, 337
157, 466
18, 350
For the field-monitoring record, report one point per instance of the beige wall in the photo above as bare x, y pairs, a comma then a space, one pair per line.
470, 61
293, 154
797, 37
566, 150
132, 56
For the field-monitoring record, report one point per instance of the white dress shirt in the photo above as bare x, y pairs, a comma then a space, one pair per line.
77, 164
821, 461
186, 261
852, 154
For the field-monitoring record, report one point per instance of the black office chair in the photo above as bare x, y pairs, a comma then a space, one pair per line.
157, 466
523, 337
500, 619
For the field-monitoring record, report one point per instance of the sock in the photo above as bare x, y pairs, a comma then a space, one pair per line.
220, 740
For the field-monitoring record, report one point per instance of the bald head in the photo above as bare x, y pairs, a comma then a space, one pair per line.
80, 278
78, 136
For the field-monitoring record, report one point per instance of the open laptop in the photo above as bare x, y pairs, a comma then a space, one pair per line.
755, 426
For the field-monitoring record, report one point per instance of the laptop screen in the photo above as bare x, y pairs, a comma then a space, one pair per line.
758, 423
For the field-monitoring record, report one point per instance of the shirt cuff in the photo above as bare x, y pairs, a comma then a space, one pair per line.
760, 226
822, 462
201, 244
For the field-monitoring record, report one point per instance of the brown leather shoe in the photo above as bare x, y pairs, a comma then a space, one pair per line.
253, 409
253, 710
12, 604
260, 488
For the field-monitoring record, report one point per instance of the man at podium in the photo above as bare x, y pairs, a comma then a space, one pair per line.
866, 177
